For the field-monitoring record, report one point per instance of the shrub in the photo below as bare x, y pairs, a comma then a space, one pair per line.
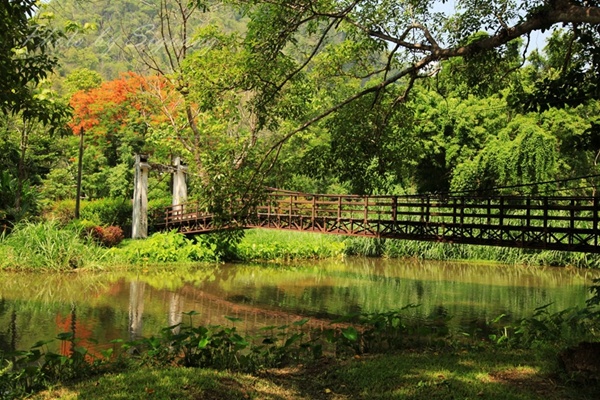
62, 211
277, 245
165, 247
109, 236
104, 212
107, 212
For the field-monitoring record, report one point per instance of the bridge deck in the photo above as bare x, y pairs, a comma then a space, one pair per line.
555, 223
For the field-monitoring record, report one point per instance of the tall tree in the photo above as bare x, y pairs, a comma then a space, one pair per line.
26, 40
403, 40
26, 59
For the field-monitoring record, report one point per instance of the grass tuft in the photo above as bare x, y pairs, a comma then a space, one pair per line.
47, 247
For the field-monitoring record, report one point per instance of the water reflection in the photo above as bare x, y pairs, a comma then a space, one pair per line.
128, 305
136, 309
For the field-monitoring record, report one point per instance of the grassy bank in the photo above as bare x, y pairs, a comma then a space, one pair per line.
465, 252
273, 245
51, 247
266, 245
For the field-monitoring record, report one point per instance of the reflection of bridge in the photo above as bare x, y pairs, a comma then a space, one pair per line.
553, 223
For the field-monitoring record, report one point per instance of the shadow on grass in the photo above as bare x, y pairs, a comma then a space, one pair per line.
410, 375
172, 383
498, 375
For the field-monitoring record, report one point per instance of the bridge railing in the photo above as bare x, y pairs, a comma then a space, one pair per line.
566, 223
506, 211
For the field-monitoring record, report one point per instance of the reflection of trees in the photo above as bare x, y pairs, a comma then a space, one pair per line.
175, 315
8, 339
71, 325
136, 308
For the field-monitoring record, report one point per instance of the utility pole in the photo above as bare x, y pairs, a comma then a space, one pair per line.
79, 173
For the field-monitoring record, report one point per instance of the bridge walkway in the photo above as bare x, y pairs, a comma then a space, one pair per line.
535, 222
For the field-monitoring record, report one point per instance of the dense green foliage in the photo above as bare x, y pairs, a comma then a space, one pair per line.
82, 244
363, 97
259, 245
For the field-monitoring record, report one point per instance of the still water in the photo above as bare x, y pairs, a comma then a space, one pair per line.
126, 305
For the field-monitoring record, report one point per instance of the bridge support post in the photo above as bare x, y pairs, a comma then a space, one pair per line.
179, 186
139, 228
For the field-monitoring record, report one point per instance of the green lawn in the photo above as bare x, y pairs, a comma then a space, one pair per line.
481, 373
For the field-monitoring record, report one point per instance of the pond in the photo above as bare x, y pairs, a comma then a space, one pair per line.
125, 305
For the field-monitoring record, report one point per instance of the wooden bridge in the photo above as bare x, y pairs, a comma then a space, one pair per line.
552, 223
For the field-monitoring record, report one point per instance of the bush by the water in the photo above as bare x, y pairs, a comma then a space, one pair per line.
101, 212
285, 246
165, 247
47, 246
106, 212
109, 236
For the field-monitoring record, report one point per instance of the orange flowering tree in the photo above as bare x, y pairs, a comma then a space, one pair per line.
116, 118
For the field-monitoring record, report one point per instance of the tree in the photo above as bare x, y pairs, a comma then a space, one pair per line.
116, 116
404, 41
25, 57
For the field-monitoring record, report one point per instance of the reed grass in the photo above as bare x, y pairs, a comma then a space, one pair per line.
287, 245
46, 246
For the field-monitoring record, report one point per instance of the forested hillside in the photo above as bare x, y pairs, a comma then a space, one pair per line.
358, 97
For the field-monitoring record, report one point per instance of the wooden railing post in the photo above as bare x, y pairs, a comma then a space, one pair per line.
314, 211
366, 216
339, 208
572, 222
394, 208
454, 201
595, 220
545, 222
528, 221
501, 217
462, 210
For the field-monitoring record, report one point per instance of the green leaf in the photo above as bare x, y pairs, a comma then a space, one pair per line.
203, 343
350, 333
65, 336
293, 339
41, 343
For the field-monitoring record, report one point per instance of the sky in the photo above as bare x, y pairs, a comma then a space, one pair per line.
538, 38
